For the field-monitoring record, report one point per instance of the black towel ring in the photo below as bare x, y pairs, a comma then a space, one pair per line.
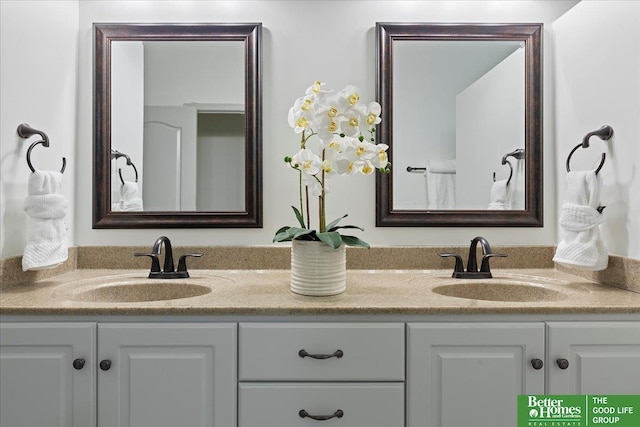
26, 131
604, 133
130, 163
115, 154
506, 162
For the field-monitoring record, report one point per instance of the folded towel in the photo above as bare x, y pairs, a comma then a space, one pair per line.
47, 245
498, 200
441, 184
130, 199
441, 166
582, 246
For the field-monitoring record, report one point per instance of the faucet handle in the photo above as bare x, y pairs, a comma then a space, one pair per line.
459, 267
155, 262
484, 268
182, 262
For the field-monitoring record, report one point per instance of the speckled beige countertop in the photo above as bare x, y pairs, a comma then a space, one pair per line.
267, 292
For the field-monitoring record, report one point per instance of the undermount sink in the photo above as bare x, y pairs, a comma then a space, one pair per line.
141, 291
491, 290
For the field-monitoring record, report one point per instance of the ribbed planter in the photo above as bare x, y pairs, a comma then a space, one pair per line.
317, 269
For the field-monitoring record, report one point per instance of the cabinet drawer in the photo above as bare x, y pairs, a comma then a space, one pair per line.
362, 404
367, 352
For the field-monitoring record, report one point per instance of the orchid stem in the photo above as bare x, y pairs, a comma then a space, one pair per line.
300, 195
306, 189
323, 217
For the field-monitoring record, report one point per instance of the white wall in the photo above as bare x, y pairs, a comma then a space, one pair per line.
490, 120
206, 72
38, 86
597, 55
303, 41
127, 113
336, 45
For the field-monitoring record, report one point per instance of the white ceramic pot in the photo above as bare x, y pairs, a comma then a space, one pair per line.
317, 269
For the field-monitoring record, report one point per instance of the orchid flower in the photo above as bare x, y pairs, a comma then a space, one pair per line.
345, 145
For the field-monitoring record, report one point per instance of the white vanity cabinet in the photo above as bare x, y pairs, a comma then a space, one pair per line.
297, 374
167, 375
470, 374
145, 374
47, 374
594, 357
281, 373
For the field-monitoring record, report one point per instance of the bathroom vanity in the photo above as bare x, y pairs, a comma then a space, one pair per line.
391, 351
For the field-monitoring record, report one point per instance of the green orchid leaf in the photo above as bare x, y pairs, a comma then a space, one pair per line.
335, 222
281, 237
354, 241
346, 226
295, 232
330, 238
298, 216
283, 229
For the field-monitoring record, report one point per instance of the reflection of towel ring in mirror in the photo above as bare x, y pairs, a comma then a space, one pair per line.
130, 163
506, 162
25, 131
604, 133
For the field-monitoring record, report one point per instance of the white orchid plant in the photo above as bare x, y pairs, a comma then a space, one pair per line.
344, 145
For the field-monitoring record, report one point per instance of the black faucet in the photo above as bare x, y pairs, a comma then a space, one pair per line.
168, 271
472, 263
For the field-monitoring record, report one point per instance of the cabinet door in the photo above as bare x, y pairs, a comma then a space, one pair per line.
167, 375
40, 386
464, 374
603, 357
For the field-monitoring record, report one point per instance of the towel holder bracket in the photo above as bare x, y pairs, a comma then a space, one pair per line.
604, 133
25, 131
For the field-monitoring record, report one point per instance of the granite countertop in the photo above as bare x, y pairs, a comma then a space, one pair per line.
267, 292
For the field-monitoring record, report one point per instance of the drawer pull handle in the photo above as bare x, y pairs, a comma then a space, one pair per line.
537, 364
338, 353
78, 364
305, 414
105, 365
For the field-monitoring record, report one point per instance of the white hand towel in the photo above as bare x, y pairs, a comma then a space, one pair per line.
582, 246
130, 199
441, 184
47, 245
498, 198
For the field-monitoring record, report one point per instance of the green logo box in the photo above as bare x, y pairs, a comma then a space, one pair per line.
578, 410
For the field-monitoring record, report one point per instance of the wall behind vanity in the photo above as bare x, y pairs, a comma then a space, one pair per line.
38, 86
331, 41
597, 57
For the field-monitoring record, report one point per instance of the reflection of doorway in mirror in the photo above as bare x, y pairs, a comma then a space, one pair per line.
169, 157
220, 162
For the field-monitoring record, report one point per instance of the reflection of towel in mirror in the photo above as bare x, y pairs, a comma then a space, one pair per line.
499, 200
130, 199
441, 184
582, 246
47, 245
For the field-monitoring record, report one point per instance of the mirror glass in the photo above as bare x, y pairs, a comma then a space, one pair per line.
462, 106
177, 137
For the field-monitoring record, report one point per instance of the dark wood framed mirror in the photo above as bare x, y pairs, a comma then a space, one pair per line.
423, 103
180, 106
